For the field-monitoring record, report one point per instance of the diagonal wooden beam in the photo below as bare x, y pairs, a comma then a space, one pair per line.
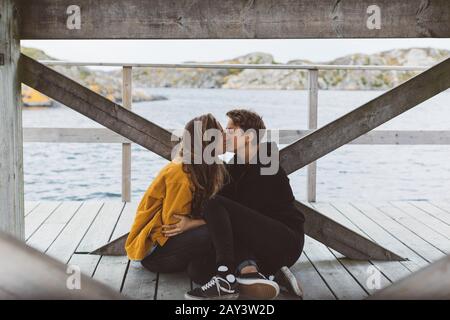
367, 117
157, 139
430, 283
95, 106
115, 247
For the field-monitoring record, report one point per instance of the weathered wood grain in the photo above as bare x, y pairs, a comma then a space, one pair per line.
30, 274
417, 246
12, 219
249, 19
341, 238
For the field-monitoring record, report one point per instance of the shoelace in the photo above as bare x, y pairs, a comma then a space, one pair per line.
214, 281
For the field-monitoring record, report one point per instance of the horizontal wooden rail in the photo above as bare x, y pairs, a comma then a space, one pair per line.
233, 19
304, 67
376, 137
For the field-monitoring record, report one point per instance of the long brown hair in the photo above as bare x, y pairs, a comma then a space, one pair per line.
207, 179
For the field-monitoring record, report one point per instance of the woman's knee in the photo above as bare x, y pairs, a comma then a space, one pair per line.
213, 204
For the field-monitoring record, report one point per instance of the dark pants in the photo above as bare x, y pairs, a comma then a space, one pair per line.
179, 250
240, 233
233, 233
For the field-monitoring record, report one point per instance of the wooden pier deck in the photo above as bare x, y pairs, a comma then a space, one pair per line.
417, 230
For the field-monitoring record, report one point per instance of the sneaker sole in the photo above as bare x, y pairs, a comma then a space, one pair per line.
292, 281
234, 296
258, 289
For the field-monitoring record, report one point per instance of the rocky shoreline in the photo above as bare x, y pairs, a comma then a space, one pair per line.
108, 83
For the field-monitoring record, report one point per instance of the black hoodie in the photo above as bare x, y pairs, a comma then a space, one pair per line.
270, 195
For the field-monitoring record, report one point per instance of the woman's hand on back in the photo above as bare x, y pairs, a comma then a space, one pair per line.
186, 223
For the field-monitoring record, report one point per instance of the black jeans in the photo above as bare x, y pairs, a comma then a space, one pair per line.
240, 233
179, 250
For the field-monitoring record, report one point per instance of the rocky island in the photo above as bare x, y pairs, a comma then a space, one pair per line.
108, 83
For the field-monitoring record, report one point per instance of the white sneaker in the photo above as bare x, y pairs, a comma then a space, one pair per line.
287, 280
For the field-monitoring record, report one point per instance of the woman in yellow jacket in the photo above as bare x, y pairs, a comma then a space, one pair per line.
180, 190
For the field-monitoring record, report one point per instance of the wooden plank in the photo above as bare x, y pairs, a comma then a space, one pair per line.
12, 219
52, 227
86, 263
366, 117
314, 287
30, 206
313, 98
342, 239
286, 136
240, 66
173, 286
444, 205
67, 241
96, 107
126, 147
362, 270
394, 270
400, 232
233, 19
35, 219
112, 270
102, 228
139, 283
434, 210
72, 135
423, 231
343, 285
431, 283
424, 217
29, 274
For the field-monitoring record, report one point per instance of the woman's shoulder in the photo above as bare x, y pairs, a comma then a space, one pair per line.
173, 172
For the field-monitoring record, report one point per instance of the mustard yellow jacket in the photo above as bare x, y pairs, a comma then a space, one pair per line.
170, 193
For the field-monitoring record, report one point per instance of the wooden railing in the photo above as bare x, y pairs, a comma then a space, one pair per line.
103, 135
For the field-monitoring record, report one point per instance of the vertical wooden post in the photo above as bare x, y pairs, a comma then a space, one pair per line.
313, 95
11, 154
126, 147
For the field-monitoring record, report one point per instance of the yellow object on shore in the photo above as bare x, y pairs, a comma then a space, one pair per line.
170, 193
33, 98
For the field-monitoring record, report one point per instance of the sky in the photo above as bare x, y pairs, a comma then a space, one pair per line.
176, 51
